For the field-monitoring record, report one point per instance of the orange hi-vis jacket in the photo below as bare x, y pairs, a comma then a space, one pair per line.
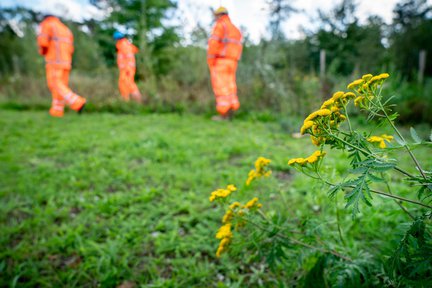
125, 53
55, 42
225, 41
126, 62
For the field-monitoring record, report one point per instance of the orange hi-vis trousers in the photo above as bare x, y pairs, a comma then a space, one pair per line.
127, 84
58, 84
223, 79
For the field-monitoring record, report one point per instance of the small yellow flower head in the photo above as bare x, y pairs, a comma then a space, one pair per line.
327, 103
231, 188
366, 77
374, 79
300, 161
355, 83
251, 176
306, 126
384, 75
324, 112
358, 101
380, 139
251, 204
234, 205
309, 160
223, 245
260, 170
261, 162
342, 117
315, 156
219, 193
337, 95
334, 109
315, 141
224, 231
387, 137
349, 95
228, 216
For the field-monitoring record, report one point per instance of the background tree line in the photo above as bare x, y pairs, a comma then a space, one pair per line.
276, 74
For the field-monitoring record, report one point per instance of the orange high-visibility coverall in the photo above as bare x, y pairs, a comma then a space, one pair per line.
126, 62
224, 52
55, 43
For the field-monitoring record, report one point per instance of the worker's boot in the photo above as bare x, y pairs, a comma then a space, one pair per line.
137, 97
221, 117
80, 110
79, 104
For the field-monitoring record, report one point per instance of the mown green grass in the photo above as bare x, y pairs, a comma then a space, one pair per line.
103, 199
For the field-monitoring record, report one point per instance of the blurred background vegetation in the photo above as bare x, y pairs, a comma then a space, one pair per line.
276, 76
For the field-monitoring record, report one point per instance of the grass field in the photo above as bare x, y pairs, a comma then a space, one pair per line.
104, 200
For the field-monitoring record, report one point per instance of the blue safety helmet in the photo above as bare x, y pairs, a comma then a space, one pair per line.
118, 35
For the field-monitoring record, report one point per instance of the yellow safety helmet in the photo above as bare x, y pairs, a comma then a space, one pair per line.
221, 10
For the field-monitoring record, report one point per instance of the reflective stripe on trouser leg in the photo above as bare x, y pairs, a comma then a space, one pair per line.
57, 104
235, 104
58, 79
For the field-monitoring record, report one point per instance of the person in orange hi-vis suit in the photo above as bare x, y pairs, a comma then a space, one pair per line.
55, 43
224, 52
126, 62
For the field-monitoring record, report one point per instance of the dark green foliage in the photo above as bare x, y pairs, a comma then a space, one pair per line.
410, 34
412, 260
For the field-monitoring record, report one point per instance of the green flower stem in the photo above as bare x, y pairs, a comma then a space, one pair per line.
405, 145
398, 197
338, 222
380, 193
399, 203
348, 119
300, 243
368, 153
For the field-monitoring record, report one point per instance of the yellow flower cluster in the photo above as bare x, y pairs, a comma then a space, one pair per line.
309, 160
222, 193
380, 139
224, 233
253, 204
260, 170
364, 85
330, 111
367, 81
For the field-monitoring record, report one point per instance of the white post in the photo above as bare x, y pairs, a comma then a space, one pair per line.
322, 73
322, 63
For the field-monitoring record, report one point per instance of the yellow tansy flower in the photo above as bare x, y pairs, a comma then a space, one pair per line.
222, 246
384, 75
260, 170
224, 231
228, 216
349, 95
306, 125
231, 187
234, 205
327, 103
366, 77
337, 95
222, 193
358, 100
380, 140
355, 83
251, 203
